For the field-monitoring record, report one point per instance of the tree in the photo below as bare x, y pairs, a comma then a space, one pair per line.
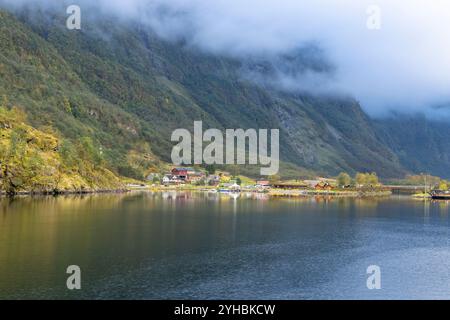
89, 151
360, 179
367, 179
443, 185
68, 153
238, 181
156, 179
372, 179
344, 179
17, 146
12, 162
200, 182
66, 105
210, 168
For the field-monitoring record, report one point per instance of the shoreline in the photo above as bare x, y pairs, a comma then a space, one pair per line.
275, 193
61, 193
272, 193
338, 193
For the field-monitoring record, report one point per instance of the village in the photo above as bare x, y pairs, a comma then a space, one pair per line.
188, 178
362, 184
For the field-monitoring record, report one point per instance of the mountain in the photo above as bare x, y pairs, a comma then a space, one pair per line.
126, 89
422, 145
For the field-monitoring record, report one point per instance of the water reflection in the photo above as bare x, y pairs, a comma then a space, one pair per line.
203, 245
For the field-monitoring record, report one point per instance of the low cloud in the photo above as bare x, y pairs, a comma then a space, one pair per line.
404, 66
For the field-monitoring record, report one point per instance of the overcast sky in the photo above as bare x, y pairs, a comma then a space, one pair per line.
404, 66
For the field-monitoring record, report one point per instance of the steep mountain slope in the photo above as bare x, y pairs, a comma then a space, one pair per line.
127, 89
36, 161
34, 76
422, 145
126, 83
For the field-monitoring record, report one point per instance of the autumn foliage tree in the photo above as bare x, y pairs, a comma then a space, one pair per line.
344, 179
367, 179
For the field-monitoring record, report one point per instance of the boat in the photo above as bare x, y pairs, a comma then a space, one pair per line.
440, 194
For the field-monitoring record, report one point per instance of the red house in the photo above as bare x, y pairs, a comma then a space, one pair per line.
183, 173
323, 186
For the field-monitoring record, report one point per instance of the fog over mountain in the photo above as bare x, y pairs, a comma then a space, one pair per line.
403, 66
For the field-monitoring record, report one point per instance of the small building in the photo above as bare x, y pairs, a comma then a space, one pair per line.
196, 176
320, 181
262, 184
182, 173
188, 174
169, 179
213, 180
166, 179
323, 186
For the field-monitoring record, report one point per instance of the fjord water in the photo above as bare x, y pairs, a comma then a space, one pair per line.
211, 246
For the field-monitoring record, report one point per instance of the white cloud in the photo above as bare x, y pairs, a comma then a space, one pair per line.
405, 65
